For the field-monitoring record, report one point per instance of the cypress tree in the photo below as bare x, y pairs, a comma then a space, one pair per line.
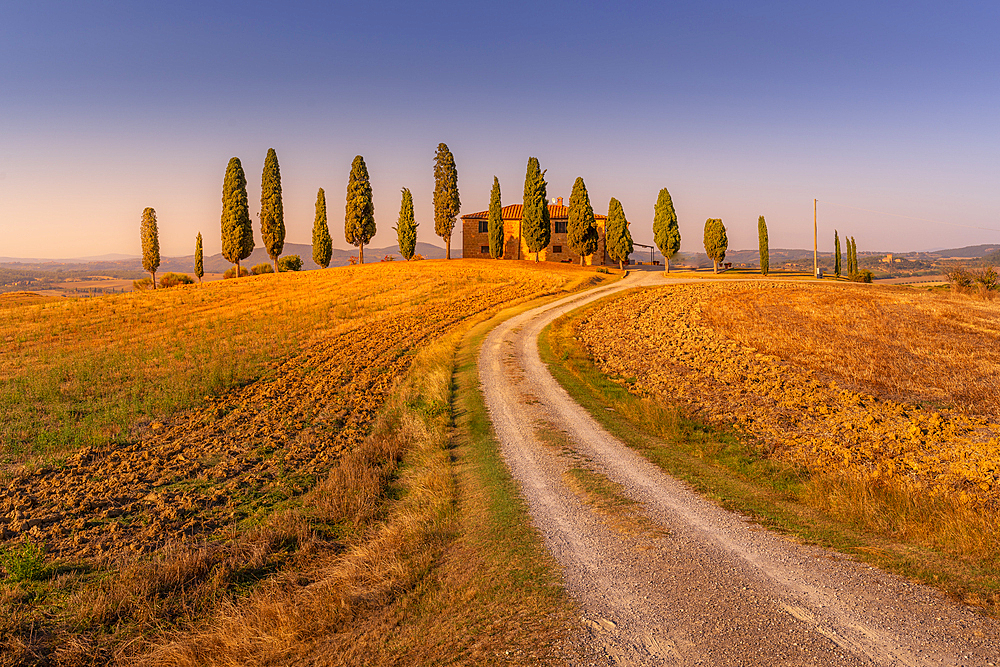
836, 253
322, 243
150, 243
406, 228
495, 223
617, 238
716, 242
446, 200
666, 233
854, 256
199, 258
359, 218
237, 234
536, 227
272, 214
765, 257
581, 229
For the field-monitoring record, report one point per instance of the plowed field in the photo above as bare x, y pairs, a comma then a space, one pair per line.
137, 423
888, 385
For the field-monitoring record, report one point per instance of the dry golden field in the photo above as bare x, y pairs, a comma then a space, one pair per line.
172, 450
871, 390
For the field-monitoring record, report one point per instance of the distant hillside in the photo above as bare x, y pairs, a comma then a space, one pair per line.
968, 252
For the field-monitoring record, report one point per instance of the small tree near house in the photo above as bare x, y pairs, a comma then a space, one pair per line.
581, 228
494, 223
617, 238
536, 226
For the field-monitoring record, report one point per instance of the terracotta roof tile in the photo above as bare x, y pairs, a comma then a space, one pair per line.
514, 212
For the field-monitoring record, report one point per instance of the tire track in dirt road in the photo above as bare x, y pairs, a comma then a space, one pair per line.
710, 588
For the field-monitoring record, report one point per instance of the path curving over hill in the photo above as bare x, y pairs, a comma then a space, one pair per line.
704, 587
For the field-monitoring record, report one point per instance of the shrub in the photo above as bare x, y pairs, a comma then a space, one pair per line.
290, 263
986, 279
601, 269
352, 260
142, 284
173, 279
231, 273
961, 279
388, 258
416, 257
261, 269
863, 276
24, 562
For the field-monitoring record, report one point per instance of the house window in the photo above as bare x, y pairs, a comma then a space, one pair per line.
561, 226
484, 226
485, 249
557, 249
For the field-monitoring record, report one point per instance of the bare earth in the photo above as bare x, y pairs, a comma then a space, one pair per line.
716, 589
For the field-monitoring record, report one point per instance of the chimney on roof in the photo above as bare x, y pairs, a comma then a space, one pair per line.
559, 201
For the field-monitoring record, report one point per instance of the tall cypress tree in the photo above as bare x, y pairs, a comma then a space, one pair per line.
854, 256
765, 256
716, 242
666, 233
272, 214
359, 218
581, 229
199, 258
406, 228
150, 243
446, 200
836, 253
536, 227
617, 238
495, 222
322, 245
237, 234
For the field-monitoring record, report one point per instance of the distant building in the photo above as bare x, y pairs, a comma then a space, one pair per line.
476, 240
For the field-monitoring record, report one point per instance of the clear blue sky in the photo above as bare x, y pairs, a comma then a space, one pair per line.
740, 109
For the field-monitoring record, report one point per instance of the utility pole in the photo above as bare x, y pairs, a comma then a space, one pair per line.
815, 245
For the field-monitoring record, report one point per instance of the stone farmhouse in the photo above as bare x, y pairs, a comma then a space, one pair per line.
476, 242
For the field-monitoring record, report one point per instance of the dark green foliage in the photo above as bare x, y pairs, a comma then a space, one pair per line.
174, 279
716, 242
581, 229
765, 257
23, 562
322, 243
852, 257
406, 228
446, 200
150, 242
617, 238
237, 234
142, 284
272, 214
862, 276
536, 227
666, 233
359, 219
495, 222
231, 272
836, 253
199, 258
261, 269
290, 263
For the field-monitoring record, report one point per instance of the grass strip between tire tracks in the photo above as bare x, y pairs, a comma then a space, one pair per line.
735, 474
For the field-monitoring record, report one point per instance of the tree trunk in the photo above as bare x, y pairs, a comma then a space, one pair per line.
361, 254
536, 257
621, 265
666, 264
447, 247
153, 273
581, 260
274, 260
237, 269
715, 266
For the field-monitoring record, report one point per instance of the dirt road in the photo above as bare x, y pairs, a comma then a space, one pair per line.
708, 588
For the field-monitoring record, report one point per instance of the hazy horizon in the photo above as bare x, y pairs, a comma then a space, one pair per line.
739, 112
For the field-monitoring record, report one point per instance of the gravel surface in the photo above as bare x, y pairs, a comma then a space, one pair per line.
716, 589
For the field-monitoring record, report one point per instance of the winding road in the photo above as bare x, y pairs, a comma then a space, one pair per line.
708, 587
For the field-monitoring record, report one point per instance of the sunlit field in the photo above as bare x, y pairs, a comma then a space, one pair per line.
168, 454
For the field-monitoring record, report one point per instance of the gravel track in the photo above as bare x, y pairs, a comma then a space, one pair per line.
717, 589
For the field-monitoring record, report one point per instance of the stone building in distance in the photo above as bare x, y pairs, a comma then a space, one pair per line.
476, 241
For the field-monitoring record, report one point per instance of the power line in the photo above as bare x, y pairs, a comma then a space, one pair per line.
910, 217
